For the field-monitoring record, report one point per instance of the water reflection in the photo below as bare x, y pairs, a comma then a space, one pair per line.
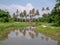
58, 43
24, 32
26, 36
42, 37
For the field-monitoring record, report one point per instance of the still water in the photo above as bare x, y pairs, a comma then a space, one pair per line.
27, 36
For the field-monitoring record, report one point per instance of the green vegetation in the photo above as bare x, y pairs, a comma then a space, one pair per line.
13, 24
47, 29
7, 27
4, 16
0, 44
48, 23
54, 16
23, 14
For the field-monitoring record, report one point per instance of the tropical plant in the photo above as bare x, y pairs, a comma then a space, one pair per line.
25, 14
4, 16
17, 14
21, 15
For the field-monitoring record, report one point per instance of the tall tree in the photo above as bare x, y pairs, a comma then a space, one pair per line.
47, 8
17, 14
55, 14
4, 16
58, 0
43, 9
30, 14
25, 14
37, 13
14, 17
33, 11
21, 15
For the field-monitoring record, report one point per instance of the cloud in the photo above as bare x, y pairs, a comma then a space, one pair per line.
13, 7
29, 6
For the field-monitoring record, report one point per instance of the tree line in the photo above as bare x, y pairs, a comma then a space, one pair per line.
53, 17
23, 14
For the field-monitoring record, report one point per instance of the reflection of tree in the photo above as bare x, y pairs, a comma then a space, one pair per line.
46, 39
31, 34
58, 42
21, 30
16, 33
4, 35
42, 37
30, 27
36, 32
24, 32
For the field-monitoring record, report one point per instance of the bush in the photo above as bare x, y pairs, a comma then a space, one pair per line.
4, 16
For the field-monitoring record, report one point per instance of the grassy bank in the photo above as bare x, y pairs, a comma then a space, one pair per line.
4, 26
0, 44
14, 24
49, 30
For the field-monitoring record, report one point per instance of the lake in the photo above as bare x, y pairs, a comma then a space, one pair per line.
26, 36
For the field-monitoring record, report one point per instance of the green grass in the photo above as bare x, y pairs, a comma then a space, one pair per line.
54, 30
14, 24
5, 26
0, 44
48, 30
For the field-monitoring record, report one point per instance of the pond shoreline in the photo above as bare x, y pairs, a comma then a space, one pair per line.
6, 26
13, 24
44, 29
47, 29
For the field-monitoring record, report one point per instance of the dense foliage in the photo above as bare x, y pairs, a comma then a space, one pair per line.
4, 16
54, 16
24, 16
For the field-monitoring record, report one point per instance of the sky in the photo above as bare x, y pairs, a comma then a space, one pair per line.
12, 5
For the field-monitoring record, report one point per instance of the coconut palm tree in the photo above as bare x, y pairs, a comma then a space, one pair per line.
37, 13
17, 14
14, 17
43, 9
25, 14
30, 13
21, 15
47, 8
33, 11
58, 0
